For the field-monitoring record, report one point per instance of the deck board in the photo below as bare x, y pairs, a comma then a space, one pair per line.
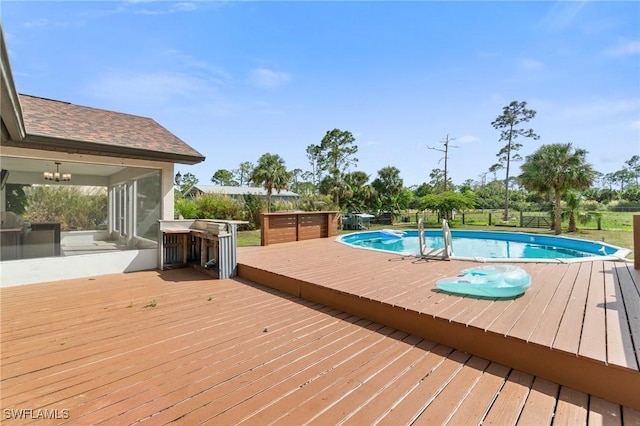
541, 403
509, 404
538, 310
570, 329
572, 407
480, 397
545, 331
620, 349
448, 401
333, 388
630, 296
418, 384
603, 412
593, 341
630, 416
289, 408
516, 311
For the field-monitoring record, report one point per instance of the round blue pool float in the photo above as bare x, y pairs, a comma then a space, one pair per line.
493, 281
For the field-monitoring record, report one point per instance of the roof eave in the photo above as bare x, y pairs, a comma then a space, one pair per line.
83, 147
11, 111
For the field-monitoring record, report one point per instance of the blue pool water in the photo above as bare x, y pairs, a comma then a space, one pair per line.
489, 245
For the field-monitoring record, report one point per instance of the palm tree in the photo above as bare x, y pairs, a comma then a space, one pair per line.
358, 196
576, 215
270, 172
389, 185
556, 169
573, 200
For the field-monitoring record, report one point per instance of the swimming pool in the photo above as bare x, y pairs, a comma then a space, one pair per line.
485, 245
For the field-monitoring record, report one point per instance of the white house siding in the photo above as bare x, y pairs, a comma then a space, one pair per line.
47, 269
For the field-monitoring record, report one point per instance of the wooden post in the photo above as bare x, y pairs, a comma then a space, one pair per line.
203, 251
264, 229
332, 224
185, 240
636, 241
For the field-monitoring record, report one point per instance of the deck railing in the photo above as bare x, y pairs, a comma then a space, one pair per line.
285, 227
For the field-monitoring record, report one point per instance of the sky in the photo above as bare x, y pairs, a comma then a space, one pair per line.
238, 79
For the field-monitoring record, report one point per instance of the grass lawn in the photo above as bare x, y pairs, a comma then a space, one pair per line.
248, 238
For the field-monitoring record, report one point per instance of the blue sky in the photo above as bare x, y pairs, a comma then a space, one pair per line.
238, 79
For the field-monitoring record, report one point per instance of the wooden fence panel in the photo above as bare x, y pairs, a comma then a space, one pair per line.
535, 222
288, 227
311, 227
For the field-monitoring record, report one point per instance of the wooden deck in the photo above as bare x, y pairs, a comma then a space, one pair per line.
578, 324
175, 346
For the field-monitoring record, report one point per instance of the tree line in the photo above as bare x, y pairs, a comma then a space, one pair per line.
555, 174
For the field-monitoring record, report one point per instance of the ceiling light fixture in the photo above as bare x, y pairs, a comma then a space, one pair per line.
57, 176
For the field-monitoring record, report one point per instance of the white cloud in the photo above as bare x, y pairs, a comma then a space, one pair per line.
151, 7
185, 6
157, 92
531, 64
467, 139
624, 48
267, 79
38, 23
156, 88
562, 15
597, 108
197, 66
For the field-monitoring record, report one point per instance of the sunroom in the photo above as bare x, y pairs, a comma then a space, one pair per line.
83, 189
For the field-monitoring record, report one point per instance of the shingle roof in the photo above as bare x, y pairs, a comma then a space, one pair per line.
239, 190
66, 124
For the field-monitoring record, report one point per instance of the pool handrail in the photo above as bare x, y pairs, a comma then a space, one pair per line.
448, 244
444, 253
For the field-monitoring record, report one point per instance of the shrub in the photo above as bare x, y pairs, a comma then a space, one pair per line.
185, 207
278, 206
591, 206
253, 206
74, 208
317, 203
217, 206
16, 198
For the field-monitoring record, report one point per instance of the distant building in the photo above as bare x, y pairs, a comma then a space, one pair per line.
237, 192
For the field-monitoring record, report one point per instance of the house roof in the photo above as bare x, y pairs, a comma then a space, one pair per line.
239, 190
63, 126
